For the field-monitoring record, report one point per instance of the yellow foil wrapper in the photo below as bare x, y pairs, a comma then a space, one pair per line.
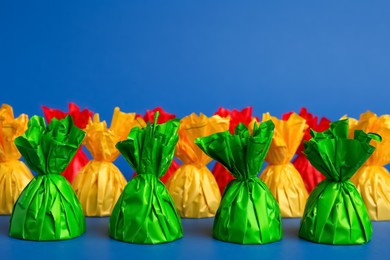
372, 179
100, 183
14, 174
252, 124
193, 187
352, 122
280, 175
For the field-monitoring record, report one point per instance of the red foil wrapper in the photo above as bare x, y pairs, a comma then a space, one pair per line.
80, 119
310, 175
163, 117
222, 176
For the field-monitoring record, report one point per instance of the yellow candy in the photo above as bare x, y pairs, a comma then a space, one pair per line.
100, 183
14, 174
372, 179
193, 187
280, 175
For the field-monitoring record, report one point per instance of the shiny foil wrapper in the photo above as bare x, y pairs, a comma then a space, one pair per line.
372, 179
162, 118
310, 175
335, 212
193, 186
221, 174
48, 208
14, 174
145, 212
80, 119
100, 183
248, 213
280, 175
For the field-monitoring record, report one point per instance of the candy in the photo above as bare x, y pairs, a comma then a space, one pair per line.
248, 213
14, 174
80, 119
48, 208
145, 212
372, 179
221, 174
100, 183
335, 211
280, 175
162, 118
193, 186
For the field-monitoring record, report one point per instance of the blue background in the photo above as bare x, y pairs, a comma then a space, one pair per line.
194, 56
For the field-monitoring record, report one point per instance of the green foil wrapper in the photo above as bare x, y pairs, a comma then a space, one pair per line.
335, 212
48, 208
145, 212
248, 213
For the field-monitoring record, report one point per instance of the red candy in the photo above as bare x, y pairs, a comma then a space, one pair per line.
310, 175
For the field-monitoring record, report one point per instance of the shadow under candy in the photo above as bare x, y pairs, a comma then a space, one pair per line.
199, 228
4, 225
98, 226
290, 227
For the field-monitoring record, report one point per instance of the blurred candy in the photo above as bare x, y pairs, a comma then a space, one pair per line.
14, 174
193, 186
372, 179
280, 175
100, 183
311, 177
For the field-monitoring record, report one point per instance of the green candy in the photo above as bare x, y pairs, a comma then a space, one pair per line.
48, 208
335, 212
248, 213
145, 212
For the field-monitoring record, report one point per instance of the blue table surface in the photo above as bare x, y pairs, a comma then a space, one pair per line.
197, 243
